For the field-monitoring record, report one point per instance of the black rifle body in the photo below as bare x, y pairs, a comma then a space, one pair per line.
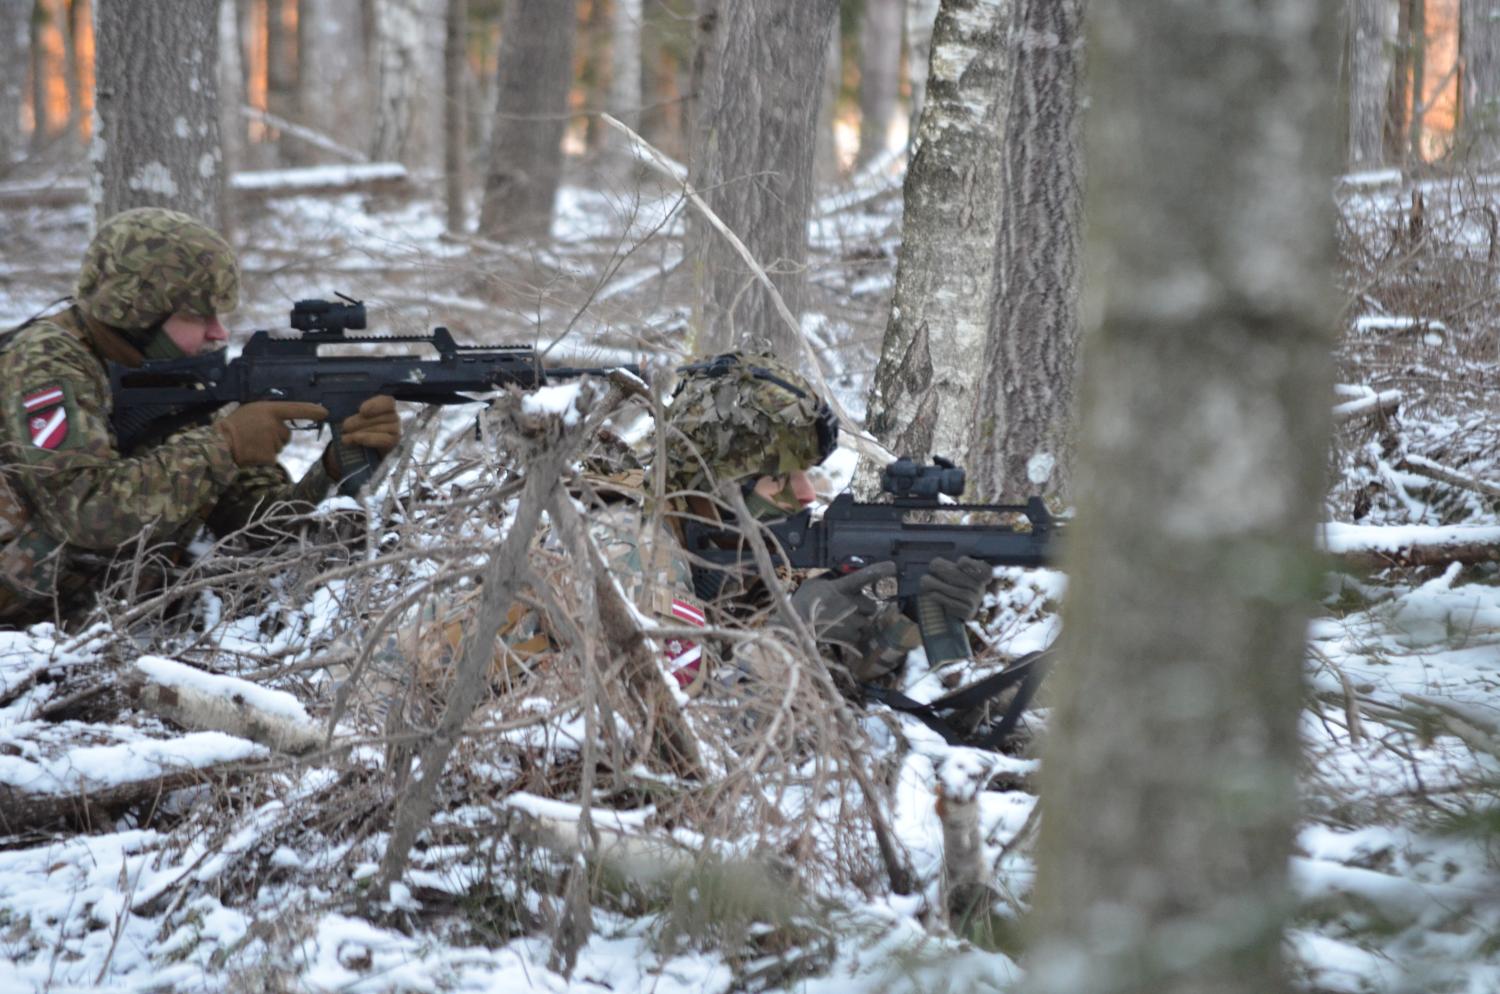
161, 395
850, 536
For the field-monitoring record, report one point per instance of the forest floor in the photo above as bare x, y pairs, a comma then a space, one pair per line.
248, 870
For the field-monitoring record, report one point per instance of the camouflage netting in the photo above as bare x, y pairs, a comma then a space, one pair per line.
149, 263
738, 416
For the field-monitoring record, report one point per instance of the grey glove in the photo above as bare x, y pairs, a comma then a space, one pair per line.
837, 608
947, 596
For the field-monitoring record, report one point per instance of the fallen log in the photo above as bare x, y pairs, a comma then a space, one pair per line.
1383, 403
1435, 471
378, 178
200, 701
1372, 547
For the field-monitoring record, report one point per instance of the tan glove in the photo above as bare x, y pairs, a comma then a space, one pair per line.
258, 431
376, 425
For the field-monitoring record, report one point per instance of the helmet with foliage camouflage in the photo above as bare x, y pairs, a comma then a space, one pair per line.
741, 415
147, 264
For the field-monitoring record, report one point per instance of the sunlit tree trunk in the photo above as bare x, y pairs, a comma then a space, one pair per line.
923, 396
1169, 772
232, 131
1480, 36
754, 140
879, 74
1020, 436
15, 18
1369, 73
157, 94
72, 13
525, 161
455, 125
41, 116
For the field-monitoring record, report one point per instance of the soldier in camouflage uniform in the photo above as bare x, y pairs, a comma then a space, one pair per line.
750, 422
152, 286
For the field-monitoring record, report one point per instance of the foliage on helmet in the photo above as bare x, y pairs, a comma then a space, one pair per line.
147, 264
744, 415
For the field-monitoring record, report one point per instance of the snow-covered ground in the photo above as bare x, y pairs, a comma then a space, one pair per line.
254, 871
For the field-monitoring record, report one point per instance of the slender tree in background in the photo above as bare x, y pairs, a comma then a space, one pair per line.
41, 116
73, 13
157, 95
1368, 58
455, 115
233, 135
922, 399
1480, 57
525, 161
398, 31
1020, 434
754, 142
826, 165
879, 74
14, 35
920, 17
625, 86
1169, 790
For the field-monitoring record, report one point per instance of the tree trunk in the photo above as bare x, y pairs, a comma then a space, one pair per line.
754, 139
536, 71
232, 131
920, 16
1480, 41
826, 165
879, 74
72, 77
1019, 439
1169, 781
15, 19
1369, 69
625, 93
455, 127
41, 121
158, 108
398, 40
927, 374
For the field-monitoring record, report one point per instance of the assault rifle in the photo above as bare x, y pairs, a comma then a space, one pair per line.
162, 396
850, 535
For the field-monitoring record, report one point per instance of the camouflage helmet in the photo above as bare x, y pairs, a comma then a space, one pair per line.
147, 264
742, 415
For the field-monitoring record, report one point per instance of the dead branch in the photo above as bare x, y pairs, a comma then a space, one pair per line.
223, 709
1434, 471
1377, 404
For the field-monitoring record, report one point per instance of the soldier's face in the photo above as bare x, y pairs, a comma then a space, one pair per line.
194, 334
792, 491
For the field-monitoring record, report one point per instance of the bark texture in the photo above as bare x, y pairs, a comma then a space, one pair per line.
157, 143
879, 74
536, 70
753, 163
1019, 438
928, 373
1369, 45
14, 38
1480, 41
1169, 788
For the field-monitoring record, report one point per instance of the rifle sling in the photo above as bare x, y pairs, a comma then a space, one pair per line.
1027, 671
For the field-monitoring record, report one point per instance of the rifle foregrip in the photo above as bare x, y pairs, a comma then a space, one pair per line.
356, 464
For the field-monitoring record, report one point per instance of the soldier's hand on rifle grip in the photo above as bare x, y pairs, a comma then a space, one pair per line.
839, 609
375, 426
948, 595
258, 431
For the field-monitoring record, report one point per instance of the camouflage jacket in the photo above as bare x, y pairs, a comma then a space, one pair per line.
74, 496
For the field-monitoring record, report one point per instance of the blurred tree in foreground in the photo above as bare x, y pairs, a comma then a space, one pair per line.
1169, 795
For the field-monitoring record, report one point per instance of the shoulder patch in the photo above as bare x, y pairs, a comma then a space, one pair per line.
46, 416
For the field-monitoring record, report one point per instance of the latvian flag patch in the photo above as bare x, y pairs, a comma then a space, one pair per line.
46, 417
684, 656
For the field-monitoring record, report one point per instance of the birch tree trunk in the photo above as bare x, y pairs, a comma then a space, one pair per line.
826, 165
940, 311
233, 134
625, 87
1169, 788
536, 70
1480, 38
755, 136
920, 16
157, 95
879, 74
1369, 71
15, 18
398, 77
1019, 438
